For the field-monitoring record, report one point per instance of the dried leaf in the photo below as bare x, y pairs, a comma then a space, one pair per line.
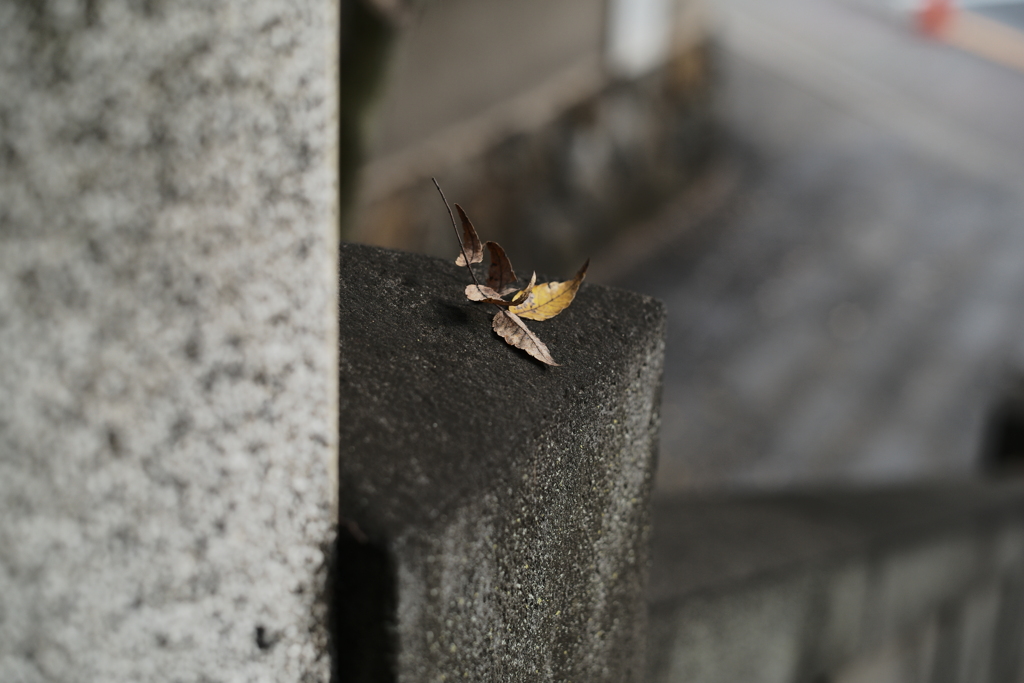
487, 295
551, 298
537, 303
481, 293
470, 241
514, 331
523, 295
500, 275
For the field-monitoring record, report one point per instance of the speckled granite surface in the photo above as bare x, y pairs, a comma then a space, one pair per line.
167, 327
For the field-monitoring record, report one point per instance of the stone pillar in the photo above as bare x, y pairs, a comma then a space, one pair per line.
495, 509
167, 338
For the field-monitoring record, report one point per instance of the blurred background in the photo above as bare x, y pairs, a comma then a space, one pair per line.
825, 193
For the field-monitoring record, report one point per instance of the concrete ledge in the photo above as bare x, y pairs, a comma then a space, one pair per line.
796, 586
507, 499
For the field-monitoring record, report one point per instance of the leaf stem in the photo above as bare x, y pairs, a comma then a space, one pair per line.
462, 246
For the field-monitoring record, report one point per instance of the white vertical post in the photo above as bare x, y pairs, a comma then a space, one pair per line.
639, 35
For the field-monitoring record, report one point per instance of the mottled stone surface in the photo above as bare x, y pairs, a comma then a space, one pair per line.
167, 327
511, 497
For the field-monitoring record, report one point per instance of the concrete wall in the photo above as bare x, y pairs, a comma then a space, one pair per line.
167, 326
904, 585
497, 515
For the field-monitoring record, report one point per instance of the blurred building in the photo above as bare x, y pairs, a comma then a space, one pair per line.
552, 122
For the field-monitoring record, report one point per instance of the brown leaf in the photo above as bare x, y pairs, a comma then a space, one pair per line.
470, 241
486, 295
481, 293
500, 275
514, 331
551, 298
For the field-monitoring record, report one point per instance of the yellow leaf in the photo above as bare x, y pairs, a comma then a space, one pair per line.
550, 298
522, 297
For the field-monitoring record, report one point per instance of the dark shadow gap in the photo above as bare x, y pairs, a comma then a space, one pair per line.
1002, 452
362, 610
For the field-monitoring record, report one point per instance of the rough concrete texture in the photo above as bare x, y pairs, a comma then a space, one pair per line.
838, 585
967, 640
511, 497
167, 278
